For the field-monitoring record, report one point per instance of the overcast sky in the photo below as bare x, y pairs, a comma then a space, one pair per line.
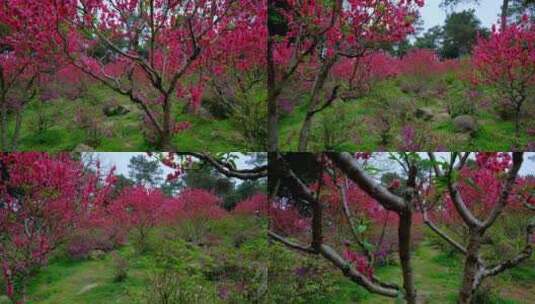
121, 159
487, 11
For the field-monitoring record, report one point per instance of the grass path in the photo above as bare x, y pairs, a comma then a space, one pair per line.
436, 278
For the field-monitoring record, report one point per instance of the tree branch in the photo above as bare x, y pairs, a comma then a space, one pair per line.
506, 190
442, 234
290, 244
347, 164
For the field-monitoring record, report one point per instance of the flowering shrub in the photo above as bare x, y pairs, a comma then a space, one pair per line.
42, 199
254, 205
359, 262
506, 62
286, 219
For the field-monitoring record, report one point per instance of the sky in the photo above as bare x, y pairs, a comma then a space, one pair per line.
527, 168
121, 159
487, 11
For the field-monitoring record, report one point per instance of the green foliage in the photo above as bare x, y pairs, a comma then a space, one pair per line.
118, 133
120, 267
457, 101
334, 128
460, 32
294, 278
145, 171
360, 132
431, 39
249, 115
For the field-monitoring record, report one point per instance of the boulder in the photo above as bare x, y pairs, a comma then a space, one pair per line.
204, 113
440, 117
114, 110
465, 124
424, 113
96, 254
83, 148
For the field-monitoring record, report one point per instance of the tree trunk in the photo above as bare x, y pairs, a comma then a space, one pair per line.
314, 102
505, 11
3, 127
518, 109
404, 236
304, 134
16, 133
471, 268
165, 136
273, 112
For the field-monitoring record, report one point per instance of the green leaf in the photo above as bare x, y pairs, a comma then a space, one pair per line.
361, 228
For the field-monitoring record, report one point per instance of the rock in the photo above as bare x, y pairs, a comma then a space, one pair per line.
205, 114
424, 113
465, 124
114, 110
83, 148
442, 117
96, 254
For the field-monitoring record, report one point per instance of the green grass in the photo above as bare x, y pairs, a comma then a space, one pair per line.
494, 134
65, 281
92, 281
123, 133
437, 274
437, 279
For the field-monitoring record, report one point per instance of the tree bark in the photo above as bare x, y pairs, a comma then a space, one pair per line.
505, 11
472, 269
404, 236
273, 112
314, 102
3, 128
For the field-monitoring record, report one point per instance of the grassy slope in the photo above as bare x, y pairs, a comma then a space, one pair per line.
209, 135
494, 134
91, 281
437, 277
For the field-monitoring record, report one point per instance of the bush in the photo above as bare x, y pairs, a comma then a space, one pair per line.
83, 242
336, 127
168, 286
178, 277
250, 116
120, 267
460, 101
5, 300
93, 125
294, 278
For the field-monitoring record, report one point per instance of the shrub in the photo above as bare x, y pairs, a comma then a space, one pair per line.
5, 300
168, 286
460, 101
336, 127
120, 267
84, 241
250, 116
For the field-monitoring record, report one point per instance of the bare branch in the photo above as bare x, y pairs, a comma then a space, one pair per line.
442, 234
519, 258
293, 245
226, 169
349, 271
506, 190
347, 164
